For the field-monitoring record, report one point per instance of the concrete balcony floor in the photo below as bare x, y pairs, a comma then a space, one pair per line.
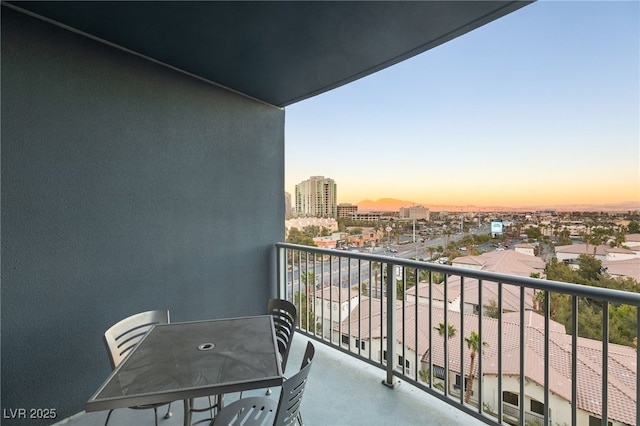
341, 391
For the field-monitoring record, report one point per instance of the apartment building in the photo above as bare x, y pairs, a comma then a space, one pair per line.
317, 196
366, 216
345, 210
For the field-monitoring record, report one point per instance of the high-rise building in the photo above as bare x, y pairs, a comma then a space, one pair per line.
316, 197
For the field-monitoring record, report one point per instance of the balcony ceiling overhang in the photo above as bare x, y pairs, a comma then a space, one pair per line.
278, 52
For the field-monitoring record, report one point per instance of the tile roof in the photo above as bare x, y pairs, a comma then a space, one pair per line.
632, 238
622, 368
600, 250
510, 293
336, 294
525, 245
624, 268
505, 262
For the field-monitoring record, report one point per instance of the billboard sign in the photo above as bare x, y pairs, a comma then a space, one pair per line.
496, 227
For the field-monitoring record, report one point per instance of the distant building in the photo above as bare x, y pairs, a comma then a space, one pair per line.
366, 238
346, 210
525, 248
334, 240
632, 242
288, 210
414, 212
317, 197
629, 268
601, 252
302, 222
366, 216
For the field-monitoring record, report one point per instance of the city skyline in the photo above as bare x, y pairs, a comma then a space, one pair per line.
539, 108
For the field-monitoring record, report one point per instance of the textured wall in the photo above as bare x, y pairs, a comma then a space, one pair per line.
126, 186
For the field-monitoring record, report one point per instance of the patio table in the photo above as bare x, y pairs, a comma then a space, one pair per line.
185, 360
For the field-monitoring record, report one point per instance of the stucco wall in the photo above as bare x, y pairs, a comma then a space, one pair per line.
126, 186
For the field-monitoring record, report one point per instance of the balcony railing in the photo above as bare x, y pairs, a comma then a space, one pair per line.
436, 324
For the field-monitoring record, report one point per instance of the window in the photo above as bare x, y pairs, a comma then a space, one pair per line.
360, 343
345, 339
595, 421
438, 372
537, 407
511, 398
458, 383
406, 362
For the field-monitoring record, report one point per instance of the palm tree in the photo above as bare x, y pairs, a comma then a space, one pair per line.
430, 249
376, 266
306, 304
473, 343
448, 330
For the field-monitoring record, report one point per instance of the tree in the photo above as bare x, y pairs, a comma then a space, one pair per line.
533, 233
399, 290
589, 267
564, 238
311, 231
473, 343
376, 266
623, 318
633, 227
538, 300
298, 237
597, 237
449, 329
306, 314
491, 310
618, 239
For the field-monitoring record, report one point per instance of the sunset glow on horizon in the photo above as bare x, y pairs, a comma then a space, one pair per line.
538, 108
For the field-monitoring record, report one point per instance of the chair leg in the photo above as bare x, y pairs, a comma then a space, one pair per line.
169, 414
155, 415
220, 399
187, 411
108, 416
189, 408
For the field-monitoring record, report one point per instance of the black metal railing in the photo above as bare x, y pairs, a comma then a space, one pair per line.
472, 338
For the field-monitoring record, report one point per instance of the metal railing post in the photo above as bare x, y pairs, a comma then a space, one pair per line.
391, 325
281, 284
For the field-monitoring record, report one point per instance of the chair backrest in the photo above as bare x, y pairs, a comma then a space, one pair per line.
284, 315
124, 335
292, 390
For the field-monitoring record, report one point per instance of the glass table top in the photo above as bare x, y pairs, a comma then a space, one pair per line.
190, 359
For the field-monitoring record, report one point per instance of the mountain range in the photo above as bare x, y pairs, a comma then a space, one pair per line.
393, 204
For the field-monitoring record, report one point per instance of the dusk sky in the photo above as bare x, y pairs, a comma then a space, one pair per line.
538, 108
